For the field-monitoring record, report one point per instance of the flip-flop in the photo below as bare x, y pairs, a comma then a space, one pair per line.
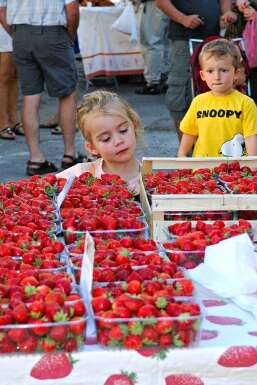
7, 134
40, 168
18, 129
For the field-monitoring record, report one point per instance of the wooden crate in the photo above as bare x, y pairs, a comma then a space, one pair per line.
191, 202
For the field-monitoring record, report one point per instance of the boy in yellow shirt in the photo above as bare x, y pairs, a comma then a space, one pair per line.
222, 121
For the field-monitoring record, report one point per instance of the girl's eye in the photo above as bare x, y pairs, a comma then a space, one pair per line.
106, 139
124, 130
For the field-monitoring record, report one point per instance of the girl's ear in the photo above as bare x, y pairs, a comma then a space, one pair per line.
89, 147
202, 75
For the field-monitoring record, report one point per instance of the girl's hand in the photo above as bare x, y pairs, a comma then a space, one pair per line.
248, 13
242, 4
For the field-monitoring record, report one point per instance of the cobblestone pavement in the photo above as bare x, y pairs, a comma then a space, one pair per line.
158, 139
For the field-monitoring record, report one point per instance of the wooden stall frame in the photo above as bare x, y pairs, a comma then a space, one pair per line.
191, 202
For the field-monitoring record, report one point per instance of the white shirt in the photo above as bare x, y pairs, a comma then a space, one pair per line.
36, 12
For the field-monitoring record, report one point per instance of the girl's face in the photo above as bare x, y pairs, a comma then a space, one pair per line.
219, 74
112, 137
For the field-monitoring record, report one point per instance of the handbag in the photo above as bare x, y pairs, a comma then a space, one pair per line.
250, 38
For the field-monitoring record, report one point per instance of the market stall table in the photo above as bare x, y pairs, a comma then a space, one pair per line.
226, 325
105, 51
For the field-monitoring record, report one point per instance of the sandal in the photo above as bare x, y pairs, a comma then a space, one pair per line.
40, 168
80, 158
7, 134
56, 130
18, 129
52, 122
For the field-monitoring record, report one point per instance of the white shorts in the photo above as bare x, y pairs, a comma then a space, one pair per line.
5, 40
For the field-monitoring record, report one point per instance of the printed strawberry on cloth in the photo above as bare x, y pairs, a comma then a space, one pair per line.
226, 355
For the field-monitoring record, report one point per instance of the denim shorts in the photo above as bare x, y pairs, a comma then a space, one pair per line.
44, 56
179, 93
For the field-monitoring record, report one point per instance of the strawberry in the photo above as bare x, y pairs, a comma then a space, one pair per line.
52, 366
238, 357
133, 342
29, 345
20, 313
183, 379
124, 378
17, 334
58, 333
48, 345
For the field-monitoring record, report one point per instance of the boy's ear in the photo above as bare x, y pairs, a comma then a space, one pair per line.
202, 75
89, 147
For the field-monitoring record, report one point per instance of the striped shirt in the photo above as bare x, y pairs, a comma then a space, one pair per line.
36, 12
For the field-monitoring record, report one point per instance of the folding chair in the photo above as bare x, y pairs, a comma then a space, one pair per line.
195, 45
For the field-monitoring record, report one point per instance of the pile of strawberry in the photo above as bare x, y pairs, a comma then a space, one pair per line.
47, 324
143, 315
127, 273
112, 245
32, 285
38, 309
198, 215
188, 248
94, 204
185, 181
228, 177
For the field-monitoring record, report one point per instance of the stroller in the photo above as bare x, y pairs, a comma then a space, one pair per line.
197, 84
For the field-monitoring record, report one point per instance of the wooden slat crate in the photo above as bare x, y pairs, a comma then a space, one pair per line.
191, 202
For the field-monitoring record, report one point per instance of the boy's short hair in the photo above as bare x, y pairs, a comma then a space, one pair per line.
105, 102
219, 48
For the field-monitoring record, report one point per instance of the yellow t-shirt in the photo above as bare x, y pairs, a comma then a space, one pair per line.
220, 123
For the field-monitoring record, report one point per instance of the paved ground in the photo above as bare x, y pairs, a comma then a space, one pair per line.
158, 139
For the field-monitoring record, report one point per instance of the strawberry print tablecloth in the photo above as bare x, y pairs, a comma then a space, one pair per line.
226, 355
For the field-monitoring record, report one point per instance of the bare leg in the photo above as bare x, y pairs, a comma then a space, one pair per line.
12, 91
67, 117
4, 89
12, 101
30, 118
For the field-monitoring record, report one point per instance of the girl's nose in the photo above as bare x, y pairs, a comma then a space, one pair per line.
117, 139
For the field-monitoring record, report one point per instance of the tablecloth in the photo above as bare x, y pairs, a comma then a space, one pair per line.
105, 51
226, 355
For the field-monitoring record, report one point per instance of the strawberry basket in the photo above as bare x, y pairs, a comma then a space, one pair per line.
150, 328
41, 327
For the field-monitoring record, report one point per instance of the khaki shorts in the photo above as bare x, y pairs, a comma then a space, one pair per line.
44, 55
179, 94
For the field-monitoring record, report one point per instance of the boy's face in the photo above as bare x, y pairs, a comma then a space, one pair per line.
112, 137
218, 73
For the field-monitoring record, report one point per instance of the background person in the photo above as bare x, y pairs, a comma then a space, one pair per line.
155, 48
8, 88
43, 33
189, 19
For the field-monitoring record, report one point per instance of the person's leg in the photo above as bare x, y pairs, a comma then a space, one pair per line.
30, 119
67, 121
4, 89
12, 92
179, 95
152, 31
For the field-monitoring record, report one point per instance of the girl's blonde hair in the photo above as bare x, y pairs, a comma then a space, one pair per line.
219, 48
107, 103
